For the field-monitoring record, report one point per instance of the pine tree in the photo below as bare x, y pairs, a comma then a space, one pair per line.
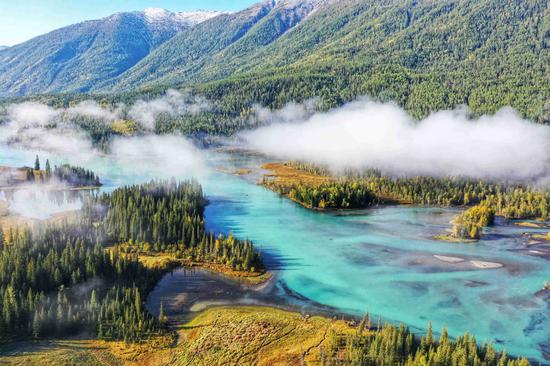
162, 316
137, 302
429, 336
48, 169
36, 325
37, 163
93, 299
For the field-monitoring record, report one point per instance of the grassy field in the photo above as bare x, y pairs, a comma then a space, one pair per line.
254, 336
61, 353
285, 175
85, 352
218, 336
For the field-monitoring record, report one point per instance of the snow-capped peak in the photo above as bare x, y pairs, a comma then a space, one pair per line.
155, 15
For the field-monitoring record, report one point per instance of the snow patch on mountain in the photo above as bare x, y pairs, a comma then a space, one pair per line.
313, 4
301, 8
198, 16
154, 14
158, 15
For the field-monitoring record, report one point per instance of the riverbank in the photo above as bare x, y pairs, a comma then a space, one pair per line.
166, 261
282, 178
286, 175
539, 238
185, 292
539, 224
315, 188
452, 239
282, 175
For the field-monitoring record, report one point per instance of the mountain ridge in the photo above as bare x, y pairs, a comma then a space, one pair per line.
77, 57
250, 26
423, 55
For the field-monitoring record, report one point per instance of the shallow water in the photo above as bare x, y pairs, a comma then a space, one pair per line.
379, 260
382, 261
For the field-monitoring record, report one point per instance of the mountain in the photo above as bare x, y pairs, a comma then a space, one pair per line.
3, 47
226, 40
78, 57
416, 34
423, 54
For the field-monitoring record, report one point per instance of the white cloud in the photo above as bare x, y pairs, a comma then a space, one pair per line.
163, 156
31, 114
291, 112
39, 127
91, 108
366, 134
173, 103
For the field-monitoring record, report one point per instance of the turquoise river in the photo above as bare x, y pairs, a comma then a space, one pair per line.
382, 260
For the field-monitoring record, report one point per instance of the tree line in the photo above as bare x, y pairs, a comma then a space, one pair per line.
396, 345
360, 189
60, 281
340, 194
73, 176
76, 176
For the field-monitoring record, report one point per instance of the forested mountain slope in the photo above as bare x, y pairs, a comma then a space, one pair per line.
205, 51
77, 57
424, 54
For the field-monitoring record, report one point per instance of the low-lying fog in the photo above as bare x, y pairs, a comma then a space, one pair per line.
36, 202
361, 134
366, 134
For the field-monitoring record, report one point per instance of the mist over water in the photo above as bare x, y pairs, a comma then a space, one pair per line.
38, 203
161, 156
366, 134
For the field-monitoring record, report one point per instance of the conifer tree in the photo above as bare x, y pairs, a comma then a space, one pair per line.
48, 169
162, 316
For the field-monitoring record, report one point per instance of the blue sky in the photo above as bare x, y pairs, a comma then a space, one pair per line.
21, 20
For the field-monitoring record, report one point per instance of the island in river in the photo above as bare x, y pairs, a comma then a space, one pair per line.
316, 188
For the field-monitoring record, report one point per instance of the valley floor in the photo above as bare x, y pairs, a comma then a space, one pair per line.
217, 336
